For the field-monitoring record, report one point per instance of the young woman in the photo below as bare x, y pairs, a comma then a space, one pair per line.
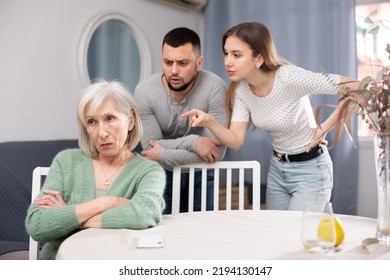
274, 95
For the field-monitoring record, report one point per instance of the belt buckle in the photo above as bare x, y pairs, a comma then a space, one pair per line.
278, 156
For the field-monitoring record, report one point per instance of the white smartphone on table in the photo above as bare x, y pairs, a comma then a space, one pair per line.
150, 241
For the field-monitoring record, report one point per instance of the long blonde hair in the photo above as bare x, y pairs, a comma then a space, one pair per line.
259, 39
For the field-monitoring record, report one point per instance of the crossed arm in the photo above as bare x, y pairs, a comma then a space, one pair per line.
88, 213
206, 148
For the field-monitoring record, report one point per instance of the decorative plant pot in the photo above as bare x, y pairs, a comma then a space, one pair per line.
382, 166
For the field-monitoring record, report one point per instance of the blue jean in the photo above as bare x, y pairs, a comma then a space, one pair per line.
184, 191
290, 184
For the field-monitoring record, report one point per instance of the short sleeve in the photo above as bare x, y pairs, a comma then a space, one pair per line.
240, 111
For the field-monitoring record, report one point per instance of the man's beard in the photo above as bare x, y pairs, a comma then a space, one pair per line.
183, 87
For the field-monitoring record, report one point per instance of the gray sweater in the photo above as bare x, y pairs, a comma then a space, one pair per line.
162, 122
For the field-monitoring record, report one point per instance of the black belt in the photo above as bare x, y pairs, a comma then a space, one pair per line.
313, 153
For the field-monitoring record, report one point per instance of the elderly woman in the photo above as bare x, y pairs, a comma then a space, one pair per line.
103, 184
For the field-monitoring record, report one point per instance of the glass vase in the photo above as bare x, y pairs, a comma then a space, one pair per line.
382, 167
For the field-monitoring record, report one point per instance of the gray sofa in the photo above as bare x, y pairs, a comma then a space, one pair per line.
17, 161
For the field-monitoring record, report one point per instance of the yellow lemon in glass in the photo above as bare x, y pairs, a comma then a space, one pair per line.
325, 232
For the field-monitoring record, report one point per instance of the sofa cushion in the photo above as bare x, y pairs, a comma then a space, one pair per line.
11, 246
17, 161
15, 255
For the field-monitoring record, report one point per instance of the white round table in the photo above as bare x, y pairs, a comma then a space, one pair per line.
220, 235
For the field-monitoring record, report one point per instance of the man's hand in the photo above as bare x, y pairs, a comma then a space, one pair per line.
207, 149
154, 152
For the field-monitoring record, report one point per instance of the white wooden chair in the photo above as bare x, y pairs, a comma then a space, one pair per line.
229, 167
38, 172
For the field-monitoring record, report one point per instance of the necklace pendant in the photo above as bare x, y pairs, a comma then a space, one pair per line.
107, 184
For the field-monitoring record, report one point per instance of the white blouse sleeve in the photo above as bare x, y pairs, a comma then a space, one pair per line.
240, 110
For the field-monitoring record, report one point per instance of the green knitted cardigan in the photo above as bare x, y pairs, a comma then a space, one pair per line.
72, 173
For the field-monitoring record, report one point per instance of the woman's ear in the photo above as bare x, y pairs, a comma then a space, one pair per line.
131, 121
259, 61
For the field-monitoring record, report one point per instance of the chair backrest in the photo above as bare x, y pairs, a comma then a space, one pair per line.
38, 172
226, 166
